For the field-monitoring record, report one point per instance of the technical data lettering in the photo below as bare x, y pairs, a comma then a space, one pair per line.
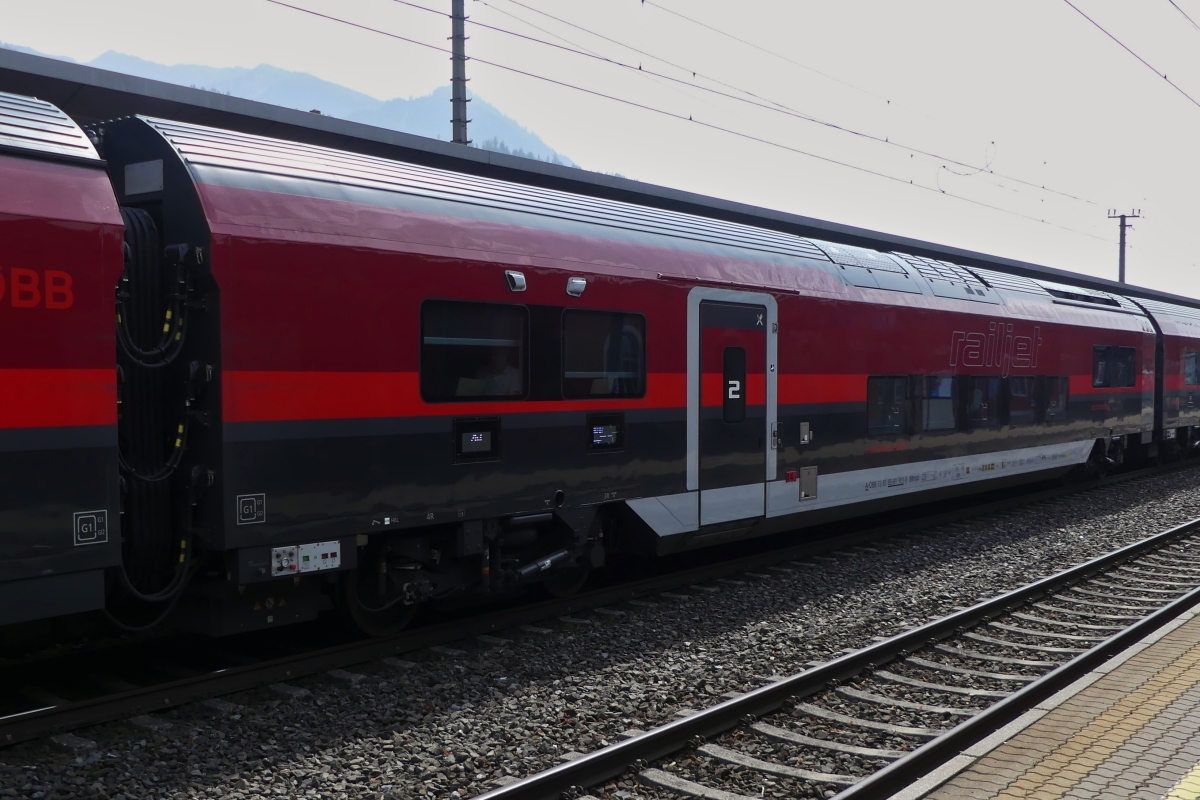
953, 473
886, 483
959, 471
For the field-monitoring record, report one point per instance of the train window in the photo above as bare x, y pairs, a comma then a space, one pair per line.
474, 351
983, 402
938, 410
887, 406
1057, 389
1126, 367
1102, 358
604, 354
1022, 400
1191, 368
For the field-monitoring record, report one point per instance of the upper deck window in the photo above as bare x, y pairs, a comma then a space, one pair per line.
1126, 372
473, 351
604, 354
1114, 366
1191, 368
1101, 366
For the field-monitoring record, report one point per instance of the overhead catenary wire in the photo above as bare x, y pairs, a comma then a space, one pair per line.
1127, 49
766, 50
1185, 14
690, 118
767, 103
649, 75
750, 98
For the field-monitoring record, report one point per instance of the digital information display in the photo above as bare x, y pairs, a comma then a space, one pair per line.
476, 442
476, 439
605, 436
606, 432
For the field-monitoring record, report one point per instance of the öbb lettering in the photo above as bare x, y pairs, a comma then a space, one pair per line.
30, 288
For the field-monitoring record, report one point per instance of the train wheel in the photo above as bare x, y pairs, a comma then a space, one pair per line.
372, 618
1096, 465
567, 582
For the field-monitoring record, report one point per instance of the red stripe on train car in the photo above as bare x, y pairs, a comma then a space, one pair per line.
712, 389
57, 398
274, 396
814, 389
1082, 384
1175, 383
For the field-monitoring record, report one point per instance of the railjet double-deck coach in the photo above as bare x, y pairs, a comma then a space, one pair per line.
248, 380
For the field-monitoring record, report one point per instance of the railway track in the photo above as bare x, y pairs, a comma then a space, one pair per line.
54, 695
876, 719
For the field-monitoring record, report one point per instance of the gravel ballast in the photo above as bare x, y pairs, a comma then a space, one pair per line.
447, 726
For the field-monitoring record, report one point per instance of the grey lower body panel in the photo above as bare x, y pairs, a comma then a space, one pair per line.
51, 596
847, 493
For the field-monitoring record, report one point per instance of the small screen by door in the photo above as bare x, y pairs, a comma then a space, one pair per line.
476, 442
476, 439
733, 400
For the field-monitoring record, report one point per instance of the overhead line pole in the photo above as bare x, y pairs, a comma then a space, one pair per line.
458, 78
1135, 214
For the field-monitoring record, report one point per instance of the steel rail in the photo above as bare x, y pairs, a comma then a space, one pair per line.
934, 753
56, 719
608, 762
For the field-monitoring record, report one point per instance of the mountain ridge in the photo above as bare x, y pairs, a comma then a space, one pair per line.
427, 115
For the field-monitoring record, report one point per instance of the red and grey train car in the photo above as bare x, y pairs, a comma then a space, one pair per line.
1177, 359
60, 256
349, 379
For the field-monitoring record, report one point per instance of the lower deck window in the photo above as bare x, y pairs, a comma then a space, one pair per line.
473, 351
983, 402
1057, 390
1022, 400
937, 404
887, 405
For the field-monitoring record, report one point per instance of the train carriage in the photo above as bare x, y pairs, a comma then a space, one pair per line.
448, 380
347, 379
60, 257
1177, 410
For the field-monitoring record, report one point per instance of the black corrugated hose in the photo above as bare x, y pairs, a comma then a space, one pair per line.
156, 564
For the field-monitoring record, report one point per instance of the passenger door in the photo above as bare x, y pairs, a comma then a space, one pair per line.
733, 425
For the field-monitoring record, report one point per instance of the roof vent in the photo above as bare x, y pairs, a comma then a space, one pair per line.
1078, 294
869, 268
1009, 282
847, 256
951, 280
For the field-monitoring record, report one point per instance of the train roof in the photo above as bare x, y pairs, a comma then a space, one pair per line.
1172, 319
91, 95
29, 126
247, 161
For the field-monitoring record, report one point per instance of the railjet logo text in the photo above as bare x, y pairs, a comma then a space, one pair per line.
999, 347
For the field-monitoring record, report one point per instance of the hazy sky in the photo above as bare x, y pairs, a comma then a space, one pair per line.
1029, 89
